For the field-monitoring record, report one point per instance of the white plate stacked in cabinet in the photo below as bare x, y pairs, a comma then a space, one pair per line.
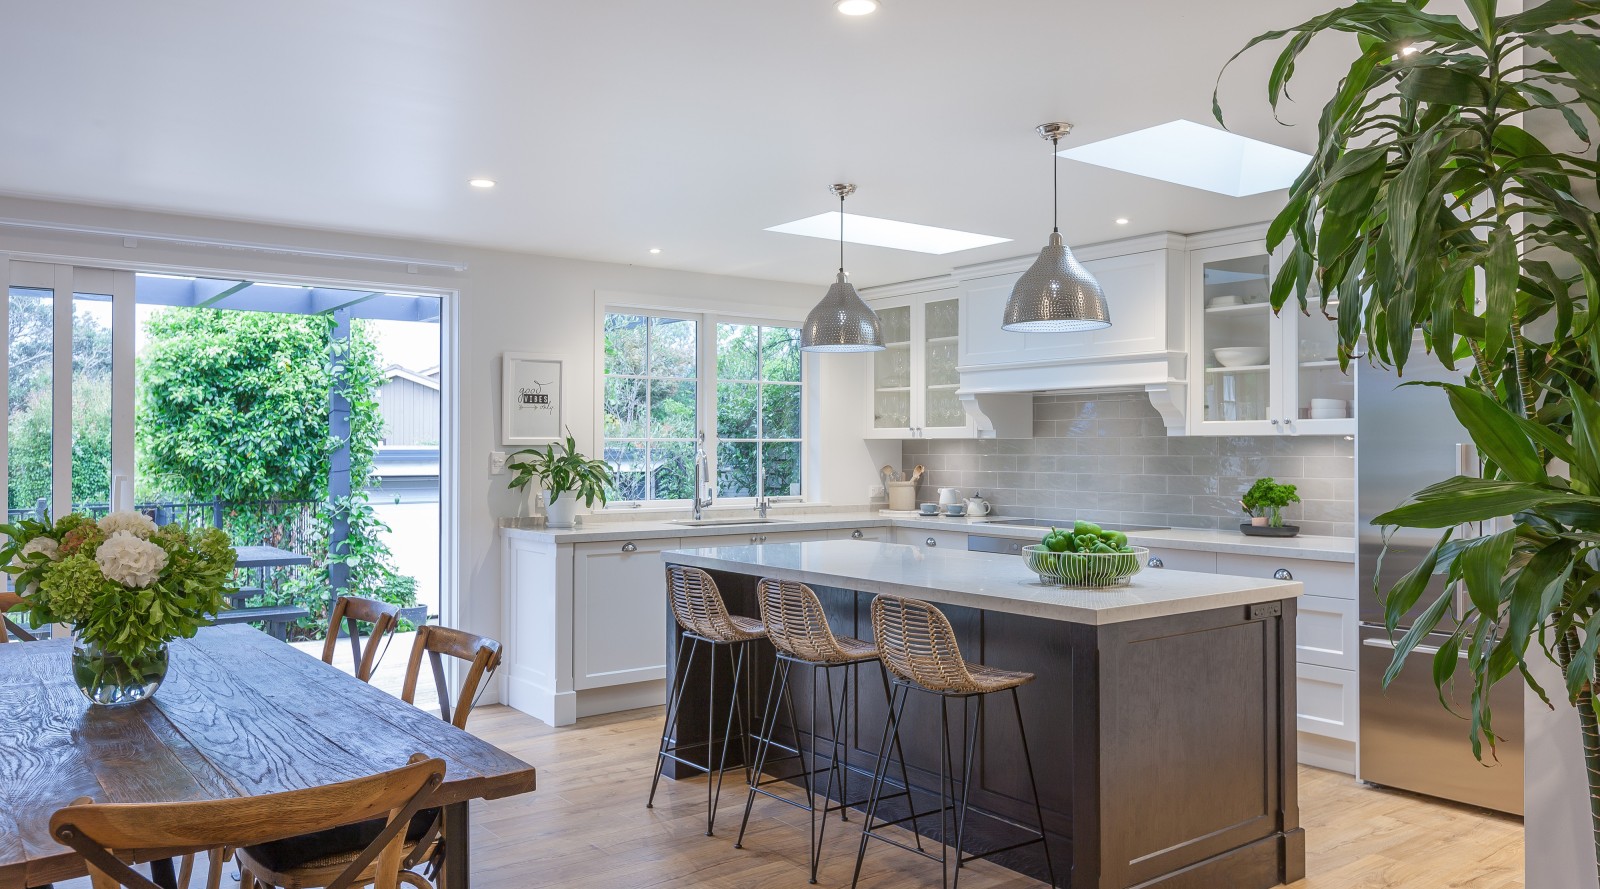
1326, 693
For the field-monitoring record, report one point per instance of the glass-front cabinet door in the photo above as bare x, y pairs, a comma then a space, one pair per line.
891, 374
914, 379
1320, 396
1235, 341
942, 413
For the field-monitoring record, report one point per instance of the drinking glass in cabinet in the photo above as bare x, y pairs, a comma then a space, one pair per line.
1234, 397
892, 410
943, 319
895, 324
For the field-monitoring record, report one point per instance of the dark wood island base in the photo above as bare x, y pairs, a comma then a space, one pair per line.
1164, 746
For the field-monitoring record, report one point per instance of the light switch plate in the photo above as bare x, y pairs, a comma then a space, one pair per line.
497, 462
876, 492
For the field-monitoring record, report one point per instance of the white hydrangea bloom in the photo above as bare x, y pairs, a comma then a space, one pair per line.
126, 559
45, 545
135, 523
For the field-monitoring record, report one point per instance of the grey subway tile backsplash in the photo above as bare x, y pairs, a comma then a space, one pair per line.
1108, 457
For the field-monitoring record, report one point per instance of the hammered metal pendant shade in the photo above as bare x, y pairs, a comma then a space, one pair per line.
1056, 294
842, 322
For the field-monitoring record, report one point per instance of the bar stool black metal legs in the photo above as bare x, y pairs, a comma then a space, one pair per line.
798, 629
919, 648
706, 623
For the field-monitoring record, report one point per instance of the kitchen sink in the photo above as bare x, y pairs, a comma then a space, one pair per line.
716, 523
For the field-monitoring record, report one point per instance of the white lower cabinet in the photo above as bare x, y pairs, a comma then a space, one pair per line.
878, 534
1182, 560
1327, 702
619, 628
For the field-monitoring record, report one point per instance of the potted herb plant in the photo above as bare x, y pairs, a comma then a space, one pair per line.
125, 586
566, 475
1264, 503
1444, 197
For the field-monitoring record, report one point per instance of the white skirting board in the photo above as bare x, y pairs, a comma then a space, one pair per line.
565, 708
1332, 754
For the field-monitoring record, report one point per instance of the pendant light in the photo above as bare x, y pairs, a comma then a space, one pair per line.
1056, 293
842, 322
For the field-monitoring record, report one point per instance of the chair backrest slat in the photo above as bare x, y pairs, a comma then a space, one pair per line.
481, 652
697, 604
352, 610
100, 831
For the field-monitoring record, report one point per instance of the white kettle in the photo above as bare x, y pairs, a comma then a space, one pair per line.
977, 506
949, 497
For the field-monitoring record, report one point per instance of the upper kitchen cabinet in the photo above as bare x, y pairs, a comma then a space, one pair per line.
915, 378
1257, 373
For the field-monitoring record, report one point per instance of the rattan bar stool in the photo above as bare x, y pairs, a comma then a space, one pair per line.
918, 648
798, 628
697, 605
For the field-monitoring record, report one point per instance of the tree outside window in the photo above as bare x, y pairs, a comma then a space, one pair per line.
660, 372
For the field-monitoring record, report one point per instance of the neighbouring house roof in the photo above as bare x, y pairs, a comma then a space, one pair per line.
428, 377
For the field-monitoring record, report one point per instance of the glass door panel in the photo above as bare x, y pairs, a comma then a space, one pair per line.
1324, 392
891, 372
942, 347
30, 406
91, 402
1237, 339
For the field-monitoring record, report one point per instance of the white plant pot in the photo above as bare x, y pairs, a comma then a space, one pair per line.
561, 509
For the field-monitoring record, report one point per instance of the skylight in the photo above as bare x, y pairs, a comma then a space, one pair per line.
1192, 154
876, 232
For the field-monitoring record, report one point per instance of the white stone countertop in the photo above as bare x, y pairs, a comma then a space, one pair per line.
989, 581
1327, 549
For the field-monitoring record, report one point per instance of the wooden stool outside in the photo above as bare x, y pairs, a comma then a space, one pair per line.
700, 612
918, 648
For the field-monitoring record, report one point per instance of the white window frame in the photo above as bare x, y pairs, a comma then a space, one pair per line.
705, 393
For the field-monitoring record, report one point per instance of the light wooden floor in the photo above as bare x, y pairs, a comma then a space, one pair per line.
587, 827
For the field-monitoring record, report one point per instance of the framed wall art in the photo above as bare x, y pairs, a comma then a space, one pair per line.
531, 399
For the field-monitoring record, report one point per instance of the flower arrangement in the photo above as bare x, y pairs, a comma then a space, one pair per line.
126, 586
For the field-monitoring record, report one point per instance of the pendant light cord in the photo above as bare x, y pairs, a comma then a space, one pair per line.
1055, 184
841, 234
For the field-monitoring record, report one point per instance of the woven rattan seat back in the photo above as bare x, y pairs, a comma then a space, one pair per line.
698, 606
916, 643
796, 623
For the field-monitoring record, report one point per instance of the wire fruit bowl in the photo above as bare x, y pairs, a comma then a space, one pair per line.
1085, 569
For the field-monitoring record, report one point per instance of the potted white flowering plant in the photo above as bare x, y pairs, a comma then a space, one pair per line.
125, 586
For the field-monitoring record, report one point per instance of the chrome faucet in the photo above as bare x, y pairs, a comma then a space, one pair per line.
702, 477
762, 506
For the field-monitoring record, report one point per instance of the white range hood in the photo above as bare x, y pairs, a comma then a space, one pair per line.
1145, 281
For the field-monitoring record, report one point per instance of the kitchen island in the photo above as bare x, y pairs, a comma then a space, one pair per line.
1161, 722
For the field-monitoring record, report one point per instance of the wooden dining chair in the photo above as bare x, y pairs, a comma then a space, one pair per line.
353, 611
307, 865
106, 834
8, 627
481, 652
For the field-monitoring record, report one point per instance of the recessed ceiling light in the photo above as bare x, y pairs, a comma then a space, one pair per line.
655, 249
1192, 154
857, 7
876, 232
481, 183
1121, 221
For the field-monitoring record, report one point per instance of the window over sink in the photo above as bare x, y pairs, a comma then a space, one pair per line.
668, 377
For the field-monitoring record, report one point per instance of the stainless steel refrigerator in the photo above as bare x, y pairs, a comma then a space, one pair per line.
1407, 438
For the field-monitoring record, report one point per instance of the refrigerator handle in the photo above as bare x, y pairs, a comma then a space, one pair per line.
1467, 464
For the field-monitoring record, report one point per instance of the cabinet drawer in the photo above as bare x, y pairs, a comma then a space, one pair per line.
879, 533
1326, 701
1184, 560
1325, 632
1332, 579
918, 537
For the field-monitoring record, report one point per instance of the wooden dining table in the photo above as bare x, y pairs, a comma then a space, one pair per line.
239, 714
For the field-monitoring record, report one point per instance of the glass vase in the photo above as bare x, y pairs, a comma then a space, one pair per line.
112, 680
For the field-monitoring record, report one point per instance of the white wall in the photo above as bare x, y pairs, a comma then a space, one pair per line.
507, 302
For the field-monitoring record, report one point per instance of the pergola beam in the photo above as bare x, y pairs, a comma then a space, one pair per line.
248, 296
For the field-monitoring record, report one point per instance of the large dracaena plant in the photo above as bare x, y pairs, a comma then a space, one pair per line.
1431, 205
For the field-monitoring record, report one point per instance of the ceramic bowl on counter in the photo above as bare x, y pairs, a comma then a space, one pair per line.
1240, 356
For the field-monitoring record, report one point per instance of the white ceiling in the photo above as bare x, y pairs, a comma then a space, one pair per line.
614, 126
